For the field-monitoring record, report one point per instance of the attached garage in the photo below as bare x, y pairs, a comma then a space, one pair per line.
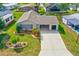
48, 27
44, 27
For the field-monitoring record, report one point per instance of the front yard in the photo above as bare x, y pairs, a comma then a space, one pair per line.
33, 44
32, 48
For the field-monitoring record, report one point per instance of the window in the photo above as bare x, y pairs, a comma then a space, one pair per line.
11, 17
27, 27
7, 19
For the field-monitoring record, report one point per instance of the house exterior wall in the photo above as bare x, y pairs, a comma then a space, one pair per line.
38, 26
64, 20
50, 26
10, 18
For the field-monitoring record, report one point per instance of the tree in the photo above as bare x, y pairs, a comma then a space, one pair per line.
2, 24
64, 6
41, 10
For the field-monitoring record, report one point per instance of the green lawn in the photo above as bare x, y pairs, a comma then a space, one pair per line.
33, 47
69, 37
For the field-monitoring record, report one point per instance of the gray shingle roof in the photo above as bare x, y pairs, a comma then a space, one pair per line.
74, 18
26, 5
32, 16
4, 12
74, 21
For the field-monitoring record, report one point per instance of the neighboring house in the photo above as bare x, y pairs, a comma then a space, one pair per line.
52, 7
72, 7
31, 19
72, 21
27, 7
10, 5
6, 16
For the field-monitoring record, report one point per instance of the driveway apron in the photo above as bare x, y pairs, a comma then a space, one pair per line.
52, 44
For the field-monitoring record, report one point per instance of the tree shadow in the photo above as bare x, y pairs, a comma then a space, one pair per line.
61, 29
3, 39
18, 50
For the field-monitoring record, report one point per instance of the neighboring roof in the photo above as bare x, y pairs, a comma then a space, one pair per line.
74, 18
7, 16
27, 5
51, 6
9, 4
33, 17
76, 15
74, 21
4, 12
67, 17
27, 15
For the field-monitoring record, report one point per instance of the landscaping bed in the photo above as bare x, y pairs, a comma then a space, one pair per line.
32, 47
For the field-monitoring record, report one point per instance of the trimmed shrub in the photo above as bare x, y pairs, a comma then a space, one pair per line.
18, 28
35, 32
2, 24
15, 40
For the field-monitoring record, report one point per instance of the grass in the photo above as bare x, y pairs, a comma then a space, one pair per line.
33, 47
69, 37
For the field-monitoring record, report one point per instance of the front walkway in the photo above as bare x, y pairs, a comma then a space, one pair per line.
52, 44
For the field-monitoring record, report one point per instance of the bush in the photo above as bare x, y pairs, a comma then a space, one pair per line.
3, 39
15, 40
18, 28
35, 32
61, 29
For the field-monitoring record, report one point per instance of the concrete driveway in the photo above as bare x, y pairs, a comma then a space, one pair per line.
52, 44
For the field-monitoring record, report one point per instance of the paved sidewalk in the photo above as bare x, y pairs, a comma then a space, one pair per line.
52, 44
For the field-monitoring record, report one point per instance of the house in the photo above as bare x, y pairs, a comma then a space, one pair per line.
72, 21
56, 7
27, 7
31, 19
6, 16
52, 7
10, 5
72, 7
